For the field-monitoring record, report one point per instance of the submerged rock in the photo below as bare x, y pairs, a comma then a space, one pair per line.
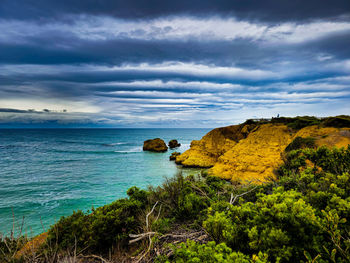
173, 144
155, 145
173, 156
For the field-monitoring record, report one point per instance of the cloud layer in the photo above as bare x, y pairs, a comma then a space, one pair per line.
145, 64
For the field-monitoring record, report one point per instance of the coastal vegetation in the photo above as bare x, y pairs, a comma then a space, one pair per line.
300, 213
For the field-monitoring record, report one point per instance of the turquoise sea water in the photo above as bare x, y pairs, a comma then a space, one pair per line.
48, 173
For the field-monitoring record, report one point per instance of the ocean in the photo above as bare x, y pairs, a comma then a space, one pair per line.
48, 173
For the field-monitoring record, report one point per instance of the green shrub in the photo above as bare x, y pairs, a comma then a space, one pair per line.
191, 205
326, 187
338, 121
281, 225
219, 225
139, 195
102, 228
298, 123
163, 225
214, 182
335, 160
192, 252
9, 246
300, 143
74, 229
182, 197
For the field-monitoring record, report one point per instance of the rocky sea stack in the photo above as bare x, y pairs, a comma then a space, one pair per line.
173, 156
155, 145
174, 144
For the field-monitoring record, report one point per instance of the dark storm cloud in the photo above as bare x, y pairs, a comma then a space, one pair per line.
115, 52
268, 10
153, 62
335, 44
14, 110
31, 111
240, 52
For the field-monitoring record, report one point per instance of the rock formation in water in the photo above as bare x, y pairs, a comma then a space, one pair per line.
253, 150
173, 156
173, 144
155, 145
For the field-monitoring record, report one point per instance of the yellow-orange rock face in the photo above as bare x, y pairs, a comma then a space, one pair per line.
205, 152
155, 145
250, 153
330, 137
254, 158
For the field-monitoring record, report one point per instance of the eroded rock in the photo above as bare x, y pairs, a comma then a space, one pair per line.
205, 152
155, 145
251, 153
173, 156
173, 144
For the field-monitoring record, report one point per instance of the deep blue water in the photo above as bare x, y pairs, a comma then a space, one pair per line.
48, 173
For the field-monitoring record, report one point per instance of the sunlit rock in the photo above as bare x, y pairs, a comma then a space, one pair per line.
155, 145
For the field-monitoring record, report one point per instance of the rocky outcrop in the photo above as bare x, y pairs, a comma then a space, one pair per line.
251, 152
205, 152
155, 145
255, 157
328, 136
174, 144
173, 156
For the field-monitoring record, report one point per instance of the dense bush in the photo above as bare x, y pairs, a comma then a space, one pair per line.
192, 252
103, 227
281, 224
300, 143
338, 121
9, 246
335, 160
298, 123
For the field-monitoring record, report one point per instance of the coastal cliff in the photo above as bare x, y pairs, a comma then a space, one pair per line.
250, 152
205, 152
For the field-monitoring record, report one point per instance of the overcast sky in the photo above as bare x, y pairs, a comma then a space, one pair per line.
149, 63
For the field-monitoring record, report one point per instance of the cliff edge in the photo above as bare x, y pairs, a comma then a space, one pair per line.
250, 152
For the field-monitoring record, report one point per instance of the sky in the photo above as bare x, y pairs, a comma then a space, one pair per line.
157, 63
